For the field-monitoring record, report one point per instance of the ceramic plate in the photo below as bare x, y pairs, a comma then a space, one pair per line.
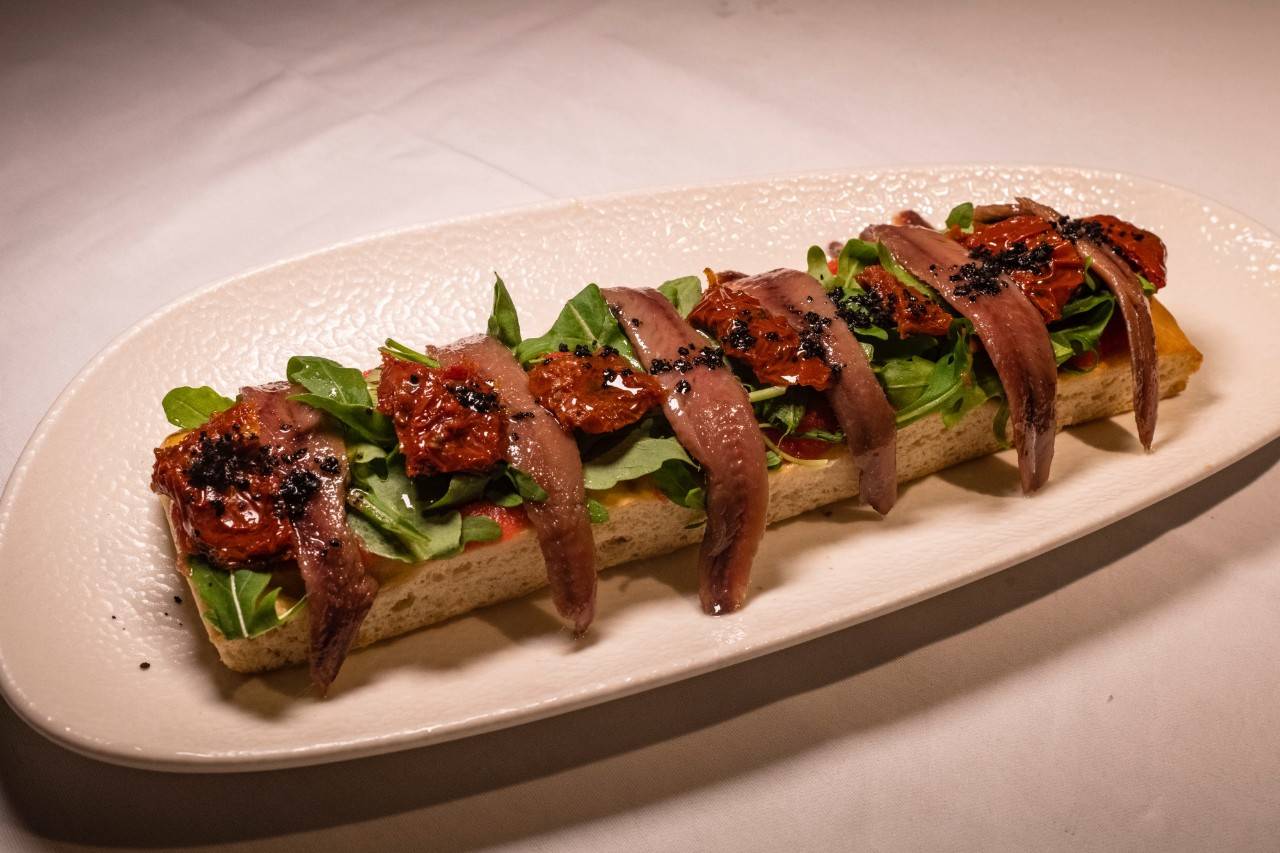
87, 584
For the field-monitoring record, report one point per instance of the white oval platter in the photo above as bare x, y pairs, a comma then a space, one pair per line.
87, 582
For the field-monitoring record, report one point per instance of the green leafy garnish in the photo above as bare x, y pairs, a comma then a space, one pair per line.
682, 484
504, 322
783, 413
817, 266
684, 293
526, 487
407, 353
403, 519
596, 511
462, 489
480, 528
382, 493
187, 408
950, 384
961, 216
637, 454
1083, 321
585, 321
238, 603
341, 392
856, 256
1148, 288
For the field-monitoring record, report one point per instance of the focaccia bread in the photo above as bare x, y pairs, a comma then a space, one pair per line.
643, 523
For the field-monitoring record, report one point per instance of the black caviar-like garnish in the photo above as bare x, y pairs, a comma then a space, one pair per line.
1075, 229
608, 351
582, 351
739, 337
329, 465
683, 386
222, 462
683, 365
609, 375
296, 490
520, 416
563, 348
475, 399
863, 309
635, 322
710, 357
659, 366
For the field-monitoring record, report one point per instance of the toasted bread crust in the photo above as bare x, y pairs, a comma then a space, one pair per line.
644, 524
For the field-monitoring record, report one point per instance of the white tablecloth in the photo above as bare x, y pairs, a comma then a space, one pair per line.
1120, 692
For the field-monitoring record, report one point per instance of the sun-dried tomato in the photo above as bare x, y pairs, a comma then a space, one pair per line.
595, 392
1144, 251
447, 419
224, 481
1043, 263
775, 351
913, 313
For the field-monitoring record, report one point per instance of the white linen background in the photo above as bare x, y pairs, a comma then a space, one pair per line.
1120, 692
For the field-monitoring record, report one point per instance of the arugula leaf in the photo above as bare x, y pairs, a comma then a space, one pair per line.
238, 603
375, 539
854, 258
586, 320
187, 408
637, 454
772, 459
782, 412
961, 216
917, 386
681, 483
526, 487
341, 392
504, 322
904, 379
596, 511
1083, 321
1148, 288
384, 495
817, 266
480, 528
461, 489
684, 293
406, 353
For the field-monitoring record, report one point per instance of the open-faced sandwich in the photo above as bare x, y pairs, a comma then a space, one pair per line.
340, 506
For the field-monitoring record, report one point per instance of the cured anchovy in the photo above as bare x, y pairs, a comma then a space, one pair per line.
910, 217
339, 590
1009, 326
855, 395
712, 417
538, 446
1123, 283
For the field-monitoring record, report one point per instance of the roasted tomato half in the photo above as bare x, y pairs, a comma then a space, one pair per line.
768, 344
1043, 263
912, 313
595, 392
223, 481
447, 419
